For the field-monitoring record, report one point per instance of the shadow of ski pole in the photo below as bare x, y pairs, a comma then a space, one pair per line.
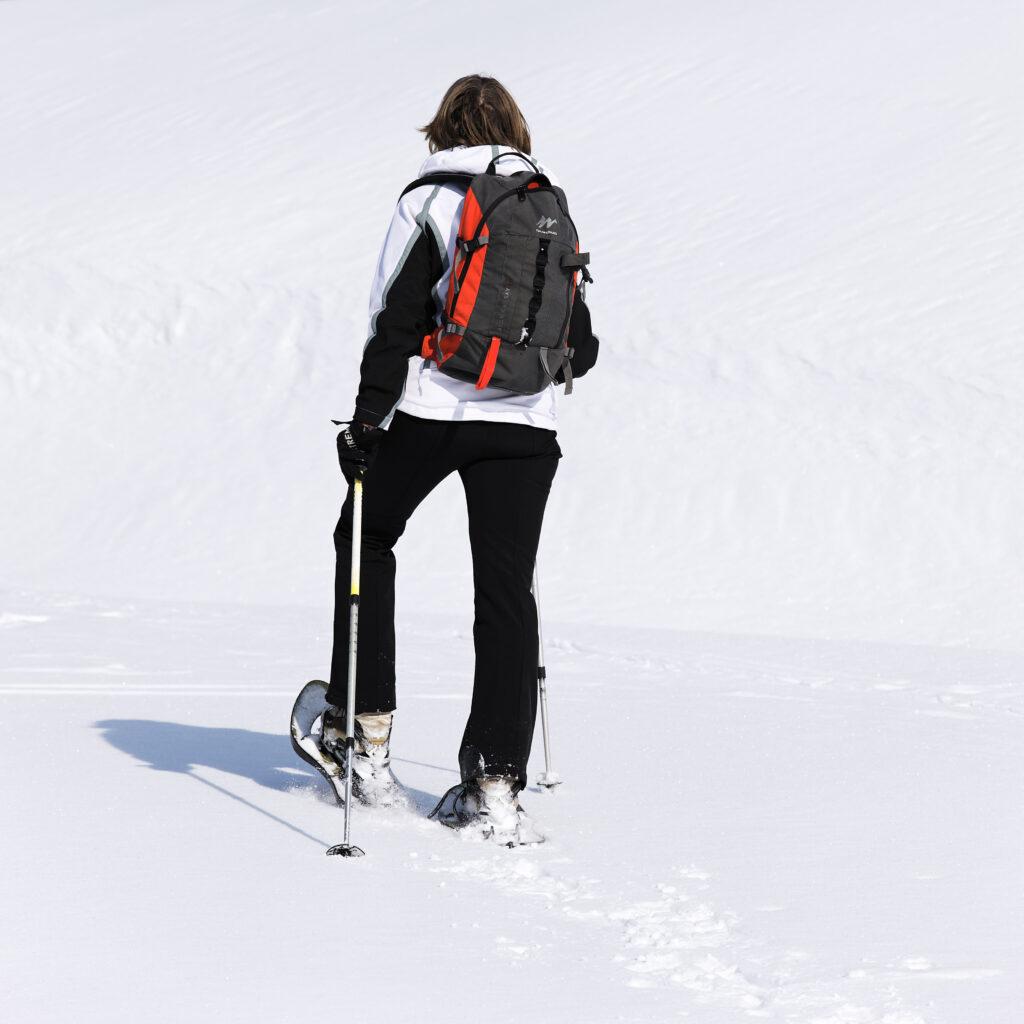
259, 810
423, 764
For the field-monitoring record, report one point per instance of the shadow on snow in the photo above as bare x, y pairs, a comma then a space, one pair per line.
264, 758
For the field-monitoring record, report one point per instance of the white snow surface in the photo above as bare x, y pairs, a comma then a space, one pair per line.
781, 562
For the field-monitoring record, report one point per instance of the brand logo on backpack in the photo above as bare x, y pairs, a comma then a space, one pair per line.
545, 224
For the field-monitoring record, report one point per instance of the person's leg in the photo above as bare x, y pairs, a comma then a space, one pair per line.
506, 495
414, 457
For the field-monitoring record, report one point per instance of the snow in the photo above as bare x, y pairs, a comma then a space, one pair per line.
780, 567
821, 831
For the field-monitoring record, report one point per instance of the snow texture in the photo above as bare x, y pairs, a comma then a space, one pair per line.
781, 563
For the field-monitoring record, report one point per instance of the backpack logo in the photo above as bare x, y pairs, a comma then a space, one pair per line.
545, 224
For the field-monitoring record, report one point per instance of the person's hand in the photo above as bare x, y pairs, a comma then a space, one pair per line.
357, 446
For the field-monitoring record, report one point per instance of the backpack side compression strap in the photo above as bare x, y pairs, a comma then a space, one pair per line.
441, 178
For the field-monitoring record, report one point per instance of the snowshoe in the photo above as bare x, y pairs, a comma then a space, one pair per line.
488, 806
318, 737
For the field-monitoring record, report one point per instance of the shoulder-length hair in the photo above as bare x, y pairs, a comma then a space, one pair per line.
477, 111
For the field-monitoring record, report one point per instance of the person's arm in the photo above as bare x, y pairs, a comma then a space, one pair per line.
402, 309
581, 340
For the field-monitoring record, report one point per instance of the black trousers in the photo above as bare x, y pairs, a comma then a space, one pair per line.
506, 471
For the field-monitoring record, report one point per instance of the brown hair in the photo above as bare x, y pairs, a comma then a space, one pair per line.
477, 111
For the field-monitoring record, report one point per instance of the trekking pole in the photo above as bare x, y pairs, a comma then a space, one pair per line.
346, 849
549, 779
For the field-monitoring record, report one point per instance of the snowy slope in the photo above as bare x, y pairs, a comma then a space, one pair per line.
830, 833
806, 227
780, 567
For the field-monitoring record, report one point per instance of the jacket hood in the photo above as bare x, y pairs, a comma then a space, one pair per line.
474, 160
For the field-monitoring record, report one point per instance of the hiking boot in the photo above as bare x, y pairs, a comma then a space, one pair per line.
373, 782
489, 806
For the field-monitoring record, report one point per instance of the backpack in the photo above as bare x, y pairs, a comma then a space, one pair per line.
506, 317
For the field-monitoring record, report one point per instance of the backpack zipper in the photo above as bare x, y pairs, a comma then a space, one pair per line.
480, 226
521, 192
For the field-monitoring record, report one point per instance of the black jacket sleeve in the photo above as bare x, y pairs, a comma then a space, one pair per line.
581, 340
405, 314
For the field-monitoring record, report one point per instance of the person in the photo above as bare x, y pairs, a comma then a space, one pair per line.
413, 425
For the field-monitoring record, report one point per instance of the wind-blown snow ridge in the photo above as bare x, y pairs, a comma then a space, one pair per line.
816, 350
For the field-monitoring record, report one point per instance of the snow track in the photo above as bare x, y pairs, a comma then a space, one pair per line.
783, 841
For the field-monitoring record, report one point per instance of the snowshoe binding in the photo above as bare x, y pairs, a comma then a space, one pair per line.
318, 737
489, 806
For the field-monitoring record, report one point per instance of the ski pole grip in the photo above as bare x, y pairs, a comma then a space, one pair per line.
357, 532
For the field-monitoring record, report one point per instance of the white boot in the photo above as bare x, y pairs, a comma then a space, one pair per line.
488, 805
373, 782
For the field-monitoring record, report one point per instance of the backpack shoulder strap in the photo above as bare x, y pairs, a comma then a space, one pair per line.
461, 179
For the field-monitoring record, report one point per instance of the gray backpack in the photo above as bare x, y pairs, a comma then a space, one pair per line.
506, 318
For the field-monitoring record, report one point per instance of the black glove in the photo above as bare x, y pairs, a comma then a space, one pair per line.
357, 446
